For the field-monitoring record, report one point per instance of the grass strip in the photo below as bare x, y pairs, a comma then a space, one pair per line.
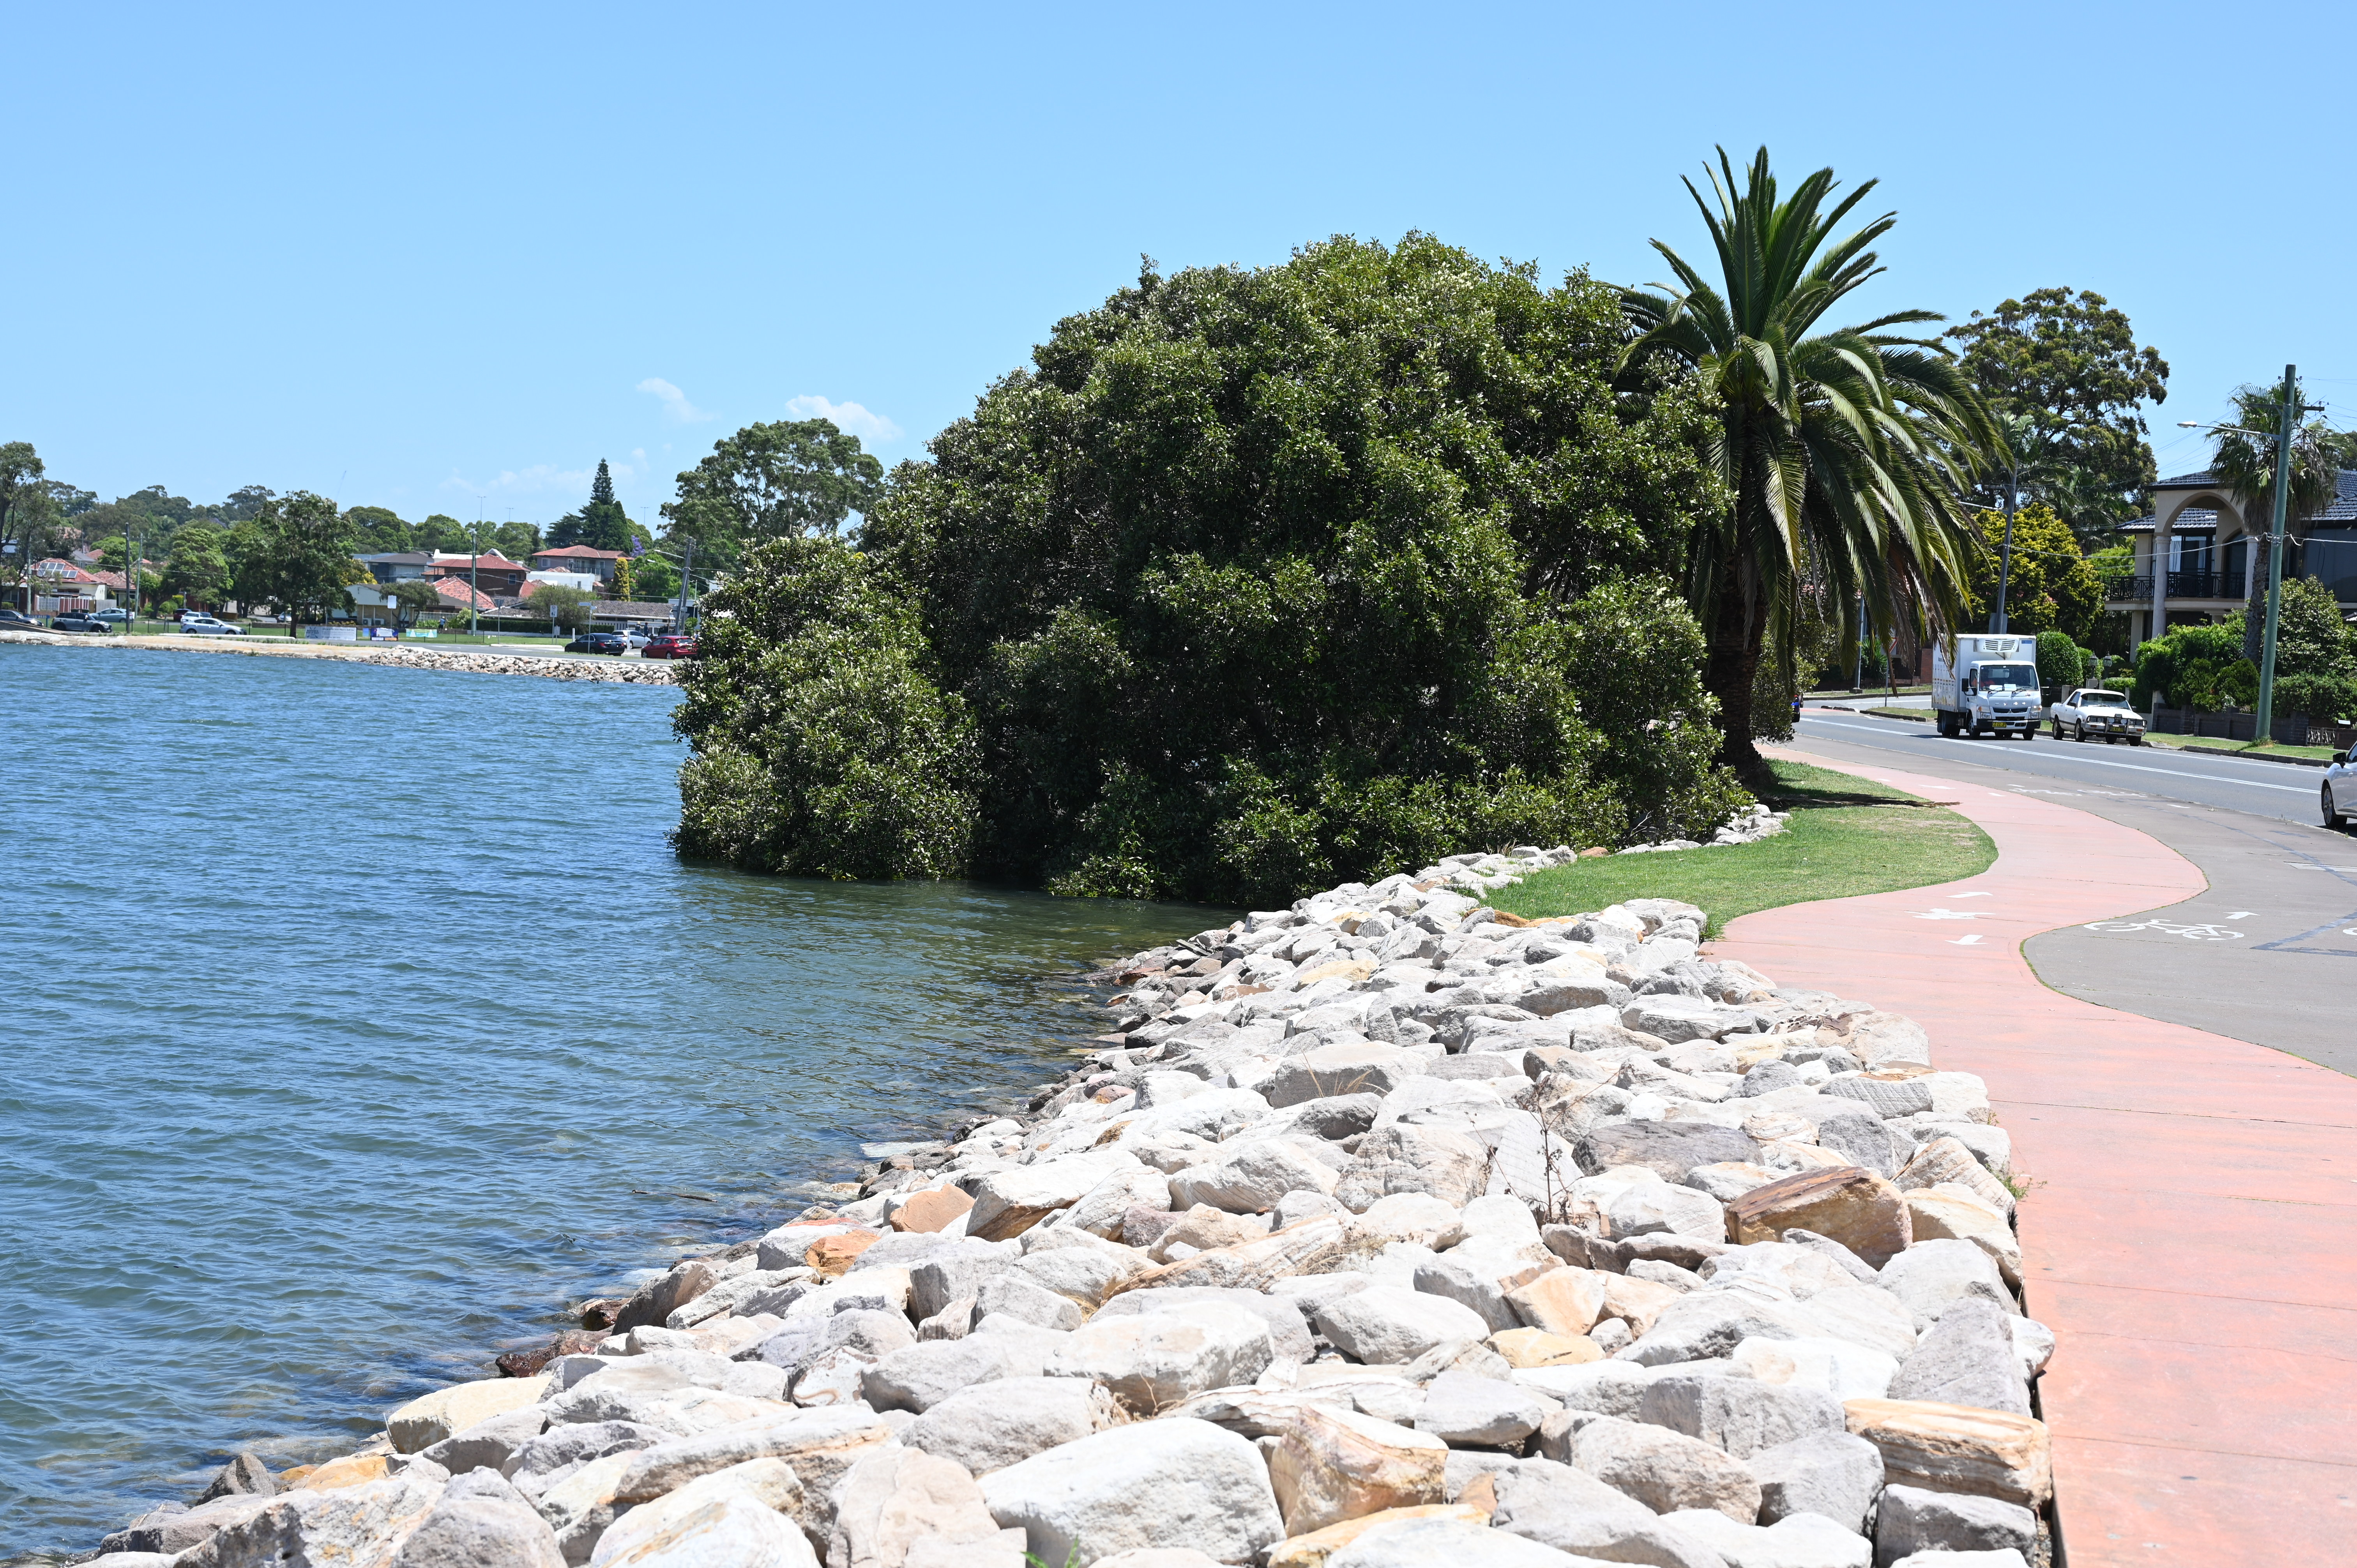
1847, 837
2219, 747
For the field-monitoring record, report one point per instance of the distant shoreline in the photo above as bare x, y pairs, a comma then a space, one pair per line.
408, 655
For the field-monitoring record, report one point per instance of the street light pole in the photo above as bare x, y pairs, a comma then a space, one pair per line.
2291, 412
2004, 557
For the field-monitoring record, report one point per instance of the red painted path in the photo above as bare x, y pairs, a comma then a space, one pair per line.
2190, 1234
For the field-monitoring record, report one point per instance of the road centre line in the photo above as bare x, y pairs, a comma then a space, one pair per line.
2108, 762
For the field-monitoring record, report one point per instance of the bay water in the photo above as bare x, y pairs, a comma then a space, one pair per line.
359, 1019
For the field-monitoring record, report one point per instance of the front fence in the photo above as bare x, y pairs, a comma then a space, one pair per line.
2293, 730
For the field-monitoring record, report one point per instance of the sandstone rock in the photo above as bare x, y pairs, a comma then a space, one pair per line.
1405, 1217
918, 1377
1403, 1157
1251, 1180
899, 1500
1952, 1448
657, 1299
1464, 1410
1080, 1264
1664, 1470
481, 1520
1288, 1335
1087, 1499
1635, 1301
1203, 1229
1472, 1288
1422, 1542
1854, 1207
1319, 1546
830, 1256
739, 1515
1153, 1362
362, 1526
1017, 1297
1537, 1348
1008, 1202
1306, 1247
996, 1424
1669, 1149
1105, 1207
1945, 1160
487, 1444
1912, 1520
1333, 1465
1926, 1278
1803, 1271
1830, 1474
1556, 1506
927, 1212
426, 1421
1331, 1071
1735, 1414
1561, 1301
648, 1473
1386, 1324
1966, 1358
1797, 1540
1888, 1098
1951, 1212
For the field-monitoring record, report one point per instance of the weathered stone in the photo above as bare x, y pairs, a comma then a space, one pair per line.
657, 1299
1889, 1097
1403, 1157
480, 1522
425, 1421
243, 1476
1838, 1367
1830, 1474
830, 1256
1561, 1301
1945, 1160
1203, 1229
1422, 1542
1318, 1547
539, 1463
2008, 1558
361, 1525
1386, 1324
743, 1514
1726, 1183
996, 1424
1158, 1557
1952, 1448
902, 1503
1707, 1325
1854, 1207
1335, 1116
1676, 1018
1537, 1348
1152, 1484
1950, 1213
927, 1212
1736, 1415
1601, 1388
172, 1530
1927, 1278
1572, 1511
1105, 1207
1966, 1358
1153, 1362
1664, 1469
1912, 1520
1335, 1070
1079, 1264
1019, 1298
1405, 1217
1669, 1149
1249, 1180
919, 1376
1008, 1202
1331, 1465
487, 1444
1288, 1335
1797, 1540
1466, 1411
1307, 1247
1467, 1287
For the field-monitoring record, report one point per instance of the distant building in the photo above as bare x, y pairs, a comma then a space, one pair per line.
600, 563
2211, 543
398, 566
490, 572
62, 588
585, 581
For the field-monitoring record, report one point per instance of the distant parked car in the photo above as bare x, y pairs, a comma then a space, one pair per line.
112, 616
11, 616
672, 644
599, 642
78, 623
197, 625
2090, 712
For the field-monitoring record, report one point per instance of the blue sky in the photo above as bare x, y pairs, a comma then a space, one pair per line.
411, 256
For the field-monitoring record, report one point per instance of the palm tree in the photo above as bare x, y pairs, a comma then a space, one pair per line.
2247, 464
1845, 451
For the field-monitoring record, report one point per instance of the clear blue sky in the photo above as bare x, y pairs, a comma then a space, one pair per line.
412, 255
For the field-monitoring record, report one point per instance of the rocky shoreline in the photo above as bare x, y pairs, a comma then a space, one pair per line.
1386, 1229
403, 655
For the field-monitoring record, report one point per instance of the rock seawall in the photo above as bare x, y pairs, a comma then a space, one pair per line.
404, 655
1384, 1229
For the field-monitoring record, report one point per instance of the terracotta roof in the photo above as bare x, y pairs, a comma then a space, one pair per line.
62, 571
455, 591
580, 553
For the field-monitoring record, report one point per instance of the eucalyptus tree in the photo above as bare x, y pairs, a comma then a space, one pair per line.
1848, 450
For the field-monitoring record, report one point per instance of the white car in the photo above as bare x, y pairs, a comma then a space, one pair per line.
197, 625
2341, 789
2093, 712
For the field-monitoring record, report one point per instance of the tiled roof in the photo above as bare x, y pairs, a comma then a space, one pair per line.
401, 558
455, 591
2186, 482
490, 560
630, 609
2342, 508
2191, 520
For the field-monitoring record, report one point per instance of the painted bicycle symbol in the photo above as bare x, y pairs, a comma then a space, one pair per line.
2203, 932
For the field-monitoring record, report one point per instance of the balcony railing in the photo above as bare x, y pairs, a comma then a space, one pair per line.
2137, 590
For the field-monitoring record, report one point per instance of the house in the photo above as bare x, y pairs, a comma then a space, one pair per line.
2210, 545
491, 572
630, 612
62, 588
585, 581
579, 558
457, 596
399, 566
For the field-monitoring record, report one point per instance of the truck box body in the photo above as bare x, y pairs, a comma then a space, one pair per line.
1985, 682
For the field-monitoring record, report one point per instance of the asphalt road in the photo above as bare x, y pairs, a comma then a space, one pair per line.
2262, 956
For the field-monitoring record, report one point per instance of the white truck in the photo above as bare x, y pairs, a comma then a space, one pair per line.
1985, 684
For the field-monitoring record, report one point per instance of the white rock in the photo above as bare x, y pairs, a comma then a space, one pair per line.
1405, 1217
1386, 1324
996, 1424
1796, 1541
1250, 1177
1153, 1362
735, 1516
1157, 1482
902, 1505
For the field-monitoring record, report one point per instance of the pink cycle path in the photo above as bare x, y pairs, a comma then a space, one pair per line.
2191, 1231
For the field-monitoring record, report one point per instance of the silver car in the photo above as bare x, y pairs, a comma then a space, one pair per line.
2341, 789
2093, 712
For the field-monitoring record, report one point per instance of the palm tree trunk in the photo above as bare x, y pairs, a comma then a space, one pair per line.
1732, 666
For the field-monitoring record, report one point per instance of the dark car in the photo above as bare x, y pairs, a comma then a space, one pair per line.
672, 644
78, 623
600, 642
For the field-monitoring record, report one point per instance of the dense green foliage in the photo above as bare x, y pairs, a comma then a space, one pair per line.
2316, 656
2217, 666
2067, 367
2063, 663
298, 553
601, 525
1256, 581
1846, 448
2243, 455
773, 481
2051, 586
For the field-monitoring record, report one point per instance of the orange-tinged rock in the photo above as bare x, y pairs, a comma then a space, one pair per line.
1637, 1302
1312, 1550
1560, 1301
1333, 1465
351, 1470
1537, 1348
929, 1211
1957, 1448
831, 1255
1849, 1203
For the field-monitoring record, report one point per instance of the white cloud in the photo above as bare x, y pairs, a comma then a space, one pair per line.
539, 479
674, 401
847, 416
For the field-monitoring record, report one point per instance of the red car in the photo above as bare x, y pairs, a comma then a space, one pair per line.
669, 645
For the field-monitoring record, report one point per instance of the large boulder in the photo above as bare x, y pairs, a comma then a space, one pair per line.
1736, 1415
1928, 1279
1344, 1069
1797, 1538
1100, 1209
488, 1445
654, 1302
919, 1376
1912, 1520
1288, 1335
1466, 1410
1307, 1247
1252, 1178
1952, 1212
1952, 1448
900, 1507
1855, 1207
1154, 1361
996, 1424
1967, 1358
741, 1515
1330, 1465
481, 1520
1830, 1474
1405, 1158
1010, 1201
1571, 1511
1664, 1470
1460, 1543
1386, 1324
363, 1525
1156, 1483
427, 1419
1669, 1149
1080, 1264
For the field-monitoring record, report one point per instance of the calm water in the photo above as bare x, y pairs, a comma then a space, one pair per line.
358, 1018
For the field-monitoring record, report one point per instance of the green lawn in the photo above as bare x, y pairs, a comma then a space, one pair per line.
1844, 840
2240, 747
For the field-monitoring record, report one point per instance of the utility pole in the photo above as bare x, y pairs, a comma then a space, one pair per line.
2004, 557
1858, 669
2291, 413
679, 617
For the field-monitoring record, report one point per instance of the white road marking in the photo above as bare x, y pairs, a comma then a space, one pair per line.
1972, 894
2131, 766
1964, 942
2241, 914
1945, 915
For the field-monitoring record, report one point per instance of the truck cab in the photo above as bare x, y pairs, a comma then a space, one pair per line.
1985, 684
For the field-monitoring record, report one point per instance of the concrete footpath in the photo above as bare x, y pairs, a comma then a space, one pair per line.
2190, 1227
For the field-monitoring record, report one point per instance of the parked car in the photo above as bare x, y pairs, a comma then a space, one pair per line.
2093, 711
671, 645
2341, 789
634, 636
78, 623
112, 616
197, 625
11, 616
599, 642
